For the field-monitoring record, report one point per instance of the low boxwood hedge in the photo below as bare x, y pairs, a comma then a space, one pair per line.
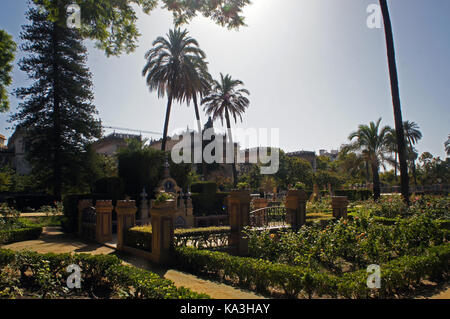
396, 275
99, 270
19, 234
140, 237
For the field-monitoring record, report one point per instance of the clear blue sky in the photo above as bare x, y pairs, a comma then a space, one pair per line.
313, 68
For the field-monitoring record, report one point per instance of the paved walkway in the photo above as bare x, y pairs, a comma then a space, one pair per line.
53, 240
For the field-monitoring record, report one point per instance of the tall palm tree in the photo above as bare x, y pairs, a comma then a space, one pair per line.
198, 85
224, 99
412, 135
373, 143
172, 68
396, 101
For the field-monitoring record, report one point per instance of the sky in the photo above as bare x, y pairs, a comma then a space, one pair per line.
314, 70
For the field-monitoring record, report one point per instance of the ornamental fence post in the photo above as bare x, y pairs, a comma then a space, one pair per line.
296, 208
103, 210
126, 219
239, 212
339, 204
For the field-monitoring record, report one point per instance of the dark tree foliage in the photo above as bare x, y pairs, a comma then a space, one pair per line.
112, 23
142, 166
56, 109
7, 50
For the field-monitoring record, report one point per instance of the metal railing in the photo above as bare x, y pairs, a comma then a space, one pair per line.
269, 217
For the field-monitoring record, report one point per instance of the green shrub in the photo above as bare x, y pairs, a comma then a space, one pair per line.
163, 197
354, 194
139, 237
19, 234
112, 186
206, 204
100, 274
141, 284
258, 274
204, 187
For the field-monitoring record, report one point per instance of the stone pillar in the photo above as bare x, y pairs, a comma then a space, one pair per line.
339, 204
239, 212
103, 210
126, 218
296, 208
82, 205
162, 231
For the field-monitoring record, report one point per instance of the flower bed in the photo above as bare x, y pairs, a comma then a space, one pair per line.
37, 275
347, 245
13, 229
332, 258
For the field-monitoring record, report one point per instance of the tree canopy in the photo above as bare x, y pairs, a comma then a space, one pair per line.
112, 24
7, 50
56, 112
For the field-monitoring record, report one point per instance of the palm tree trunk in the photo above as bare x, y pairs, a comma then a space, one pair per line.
233, 165
395, 166
414, 173
367, 172
199, 128
376, 181
197, 114
166, 123
404, 178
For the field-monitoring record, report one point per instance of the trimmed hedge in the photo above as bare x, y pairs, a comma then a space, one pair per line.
139, 237
101, 270
260, 275
112, 186
143, 284
21, 202
207, 204
354, 194
204, 187
20, 234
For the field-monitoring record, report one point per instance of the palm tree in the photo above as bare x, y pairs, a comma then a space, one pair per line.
224, 99
198, 85
373, 143
172, 68
412, 135
396, 101
447, 146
